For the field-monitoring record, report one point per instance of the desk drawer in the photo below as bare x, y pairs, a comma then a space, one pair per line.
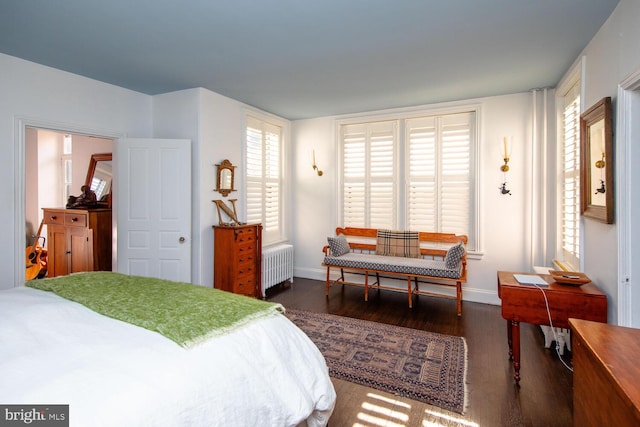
75, 219
53, 218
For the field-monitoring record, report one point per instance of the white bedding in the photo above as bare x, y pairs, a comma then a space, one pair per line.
52, 350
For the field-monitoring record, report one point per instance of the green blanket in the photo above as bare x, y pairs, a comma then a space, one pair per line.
185, 313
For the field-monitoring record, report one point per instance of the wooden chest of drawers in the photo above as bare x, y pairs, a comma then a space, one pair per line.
77, 240
237, 263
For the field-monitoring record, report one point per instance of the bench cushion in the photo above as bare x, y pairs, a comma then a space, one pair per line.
393, 264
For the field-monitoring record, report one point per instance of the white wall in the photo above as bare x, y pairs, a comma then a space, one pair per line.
175, 115
504, 220
32, 182
45, 97
611, 56
222, 132
214, 123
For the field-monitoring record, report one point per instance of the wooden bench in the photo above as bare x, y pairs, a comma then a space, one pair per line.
429, 266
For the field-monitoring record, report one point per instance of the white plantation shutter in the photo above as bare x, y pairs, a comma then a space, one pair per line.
369, 172
435, 174
422, 183
439, 173
455, 173
570, 186
264, 177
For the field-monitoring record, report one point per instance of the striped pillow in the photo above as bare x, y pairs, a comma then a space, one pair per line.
398, 243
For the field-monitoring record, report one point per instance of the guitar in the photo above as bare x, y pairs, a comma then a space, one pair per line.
36, 258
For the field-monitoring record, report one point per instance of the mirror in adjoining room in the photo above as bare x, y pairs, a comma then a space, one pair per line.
99, 177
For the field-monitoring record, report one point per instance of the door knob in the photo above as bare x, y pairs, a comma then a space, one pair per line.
182, 240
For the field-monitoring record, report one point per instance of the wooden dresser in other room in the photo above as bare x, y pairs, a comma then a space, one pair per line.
77, 240
606, 374
237, 265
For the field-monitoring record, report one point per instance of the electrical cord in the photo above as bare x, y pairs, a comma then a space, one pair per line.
546, 301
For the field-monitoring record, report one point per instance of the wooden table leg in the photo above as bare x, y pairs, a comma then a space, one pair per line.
366, 286
515, 335
510, 339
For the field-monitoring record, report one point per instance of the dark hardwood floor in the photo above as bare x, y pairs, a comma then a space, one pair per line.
544, 397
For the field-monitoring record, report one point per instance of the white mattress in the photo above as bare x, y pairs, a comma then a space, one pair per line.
54, 351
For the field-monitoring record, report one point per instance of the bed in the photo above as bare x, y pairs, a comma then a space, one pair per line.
262, 370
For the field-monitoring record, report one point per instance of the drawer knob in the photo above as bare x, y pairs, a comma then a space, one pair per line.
53, 218
74, 219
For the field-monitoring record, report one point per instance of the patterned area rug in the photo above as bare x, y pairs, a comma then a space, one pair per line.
420, 365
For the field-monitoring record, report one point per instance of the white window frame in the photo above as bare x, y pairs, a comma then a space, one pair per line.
282, 234
66, 166
383, 186
401, 172
573, 82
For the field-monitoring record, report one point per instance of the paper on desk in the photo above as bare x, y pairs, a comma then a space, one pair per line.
530, 279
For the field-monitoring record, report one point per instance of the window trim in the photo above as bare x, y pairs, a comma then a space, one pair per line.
573, 77
411, 113
285, 170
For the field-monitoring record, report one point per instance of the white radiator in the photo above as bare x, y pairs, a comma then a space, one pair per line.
277, 266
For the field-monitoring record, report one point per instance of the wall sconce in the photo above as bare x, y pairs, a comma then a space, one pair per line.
315, 167
506, 155
600, 164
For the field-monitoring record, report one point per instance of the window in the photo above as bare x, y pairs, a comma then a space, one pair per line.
67, 148
413, 173
439, 173
98, 186
264, 178
570, 177
368, 157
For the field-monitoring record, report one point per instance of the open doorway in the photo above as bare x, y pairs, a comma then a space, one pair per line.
56, 165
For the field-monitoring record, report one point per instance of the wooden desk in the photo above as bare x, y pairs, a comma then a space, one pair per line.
605, 374
526, 303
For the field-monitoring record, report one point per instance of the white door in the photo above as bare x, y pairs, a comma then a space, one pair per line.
152, 201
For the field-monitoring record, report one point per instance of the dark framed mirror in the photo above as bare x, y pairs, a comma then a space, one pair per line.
596, 162
224, 181
100, 177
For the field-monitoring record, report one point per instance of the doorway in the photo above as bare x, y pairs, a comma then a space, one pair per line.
56, 165
628, 199
175, 175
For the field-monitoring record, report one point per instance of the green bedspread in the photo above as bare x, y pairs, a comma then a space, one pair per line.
185, 313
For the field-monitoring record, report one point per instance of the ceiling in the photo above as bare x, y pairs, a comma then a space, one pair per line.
305, 58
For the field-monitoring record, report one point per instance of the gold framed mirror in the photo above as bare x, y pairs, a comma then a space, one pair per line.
225, 176
596, 162
100, 177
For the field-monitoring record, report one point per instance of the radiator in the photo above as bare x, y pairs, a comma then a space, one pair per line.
277, 266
